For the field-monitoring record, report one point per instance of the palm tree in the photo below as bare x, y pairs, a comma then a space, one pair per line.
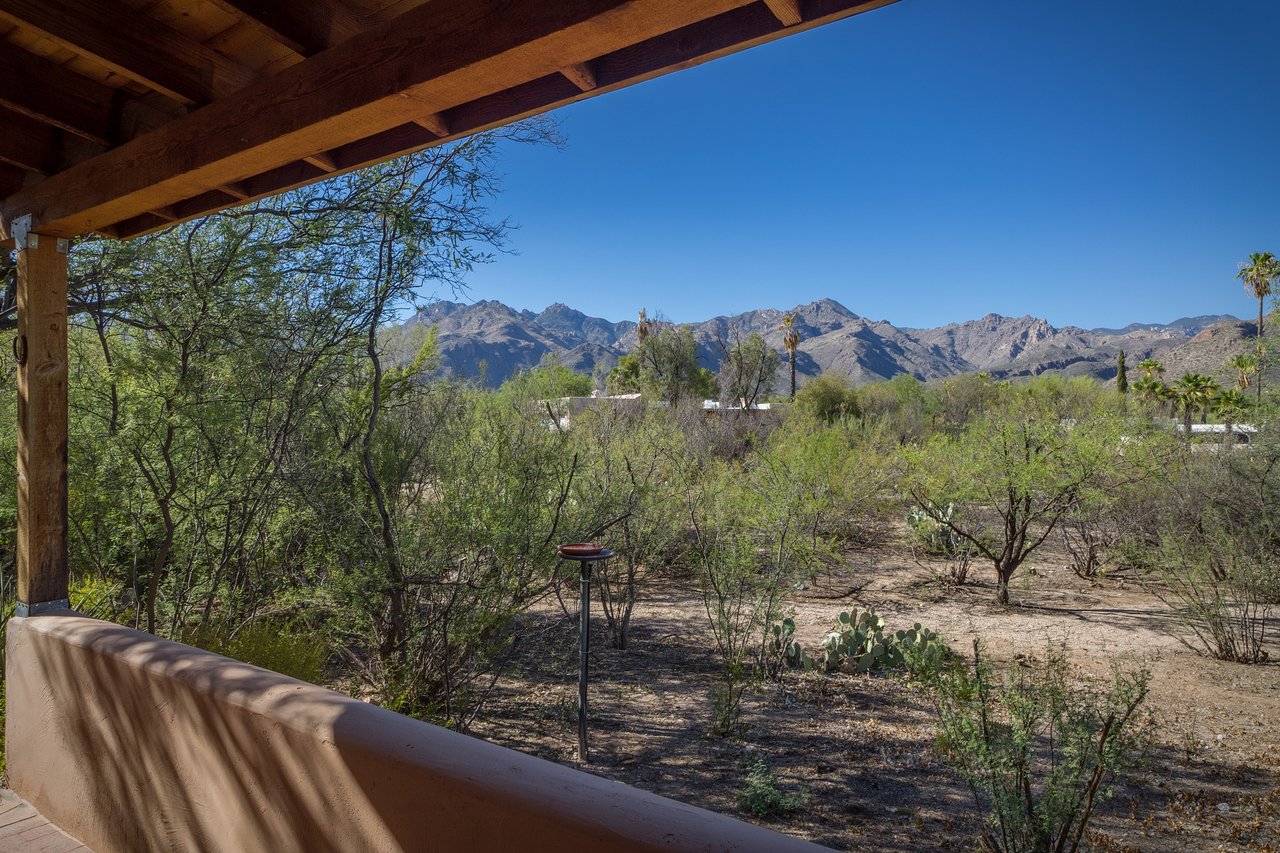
1150, 388
1245, 365
1229, 405
1258, 275
791, 340
643, 327
1194, 391
1150, 368
1169, 394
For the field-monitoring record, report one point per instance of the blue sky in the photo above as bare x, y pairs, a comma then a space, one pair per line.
1094, 163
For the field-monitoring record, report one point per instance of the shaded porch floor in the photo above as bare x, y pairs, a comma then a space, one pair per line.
22, 828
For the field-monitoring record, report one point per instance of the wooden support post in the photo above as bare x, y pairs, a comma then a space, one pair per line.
40, 350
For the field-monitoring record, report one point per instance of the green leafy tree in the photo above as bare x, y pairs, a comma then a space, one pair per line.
1259, 274
550, 380
748, 368
624, 378
1007, 480
828, 397
668, 368
903, 406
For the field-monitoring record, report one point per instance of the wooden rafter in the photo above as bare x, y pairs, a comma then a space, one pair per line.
26, 143
49, 93
132, 44
304, 26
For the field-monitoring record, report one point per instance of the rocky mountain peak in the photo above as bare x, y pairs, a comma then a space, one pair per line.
832, 338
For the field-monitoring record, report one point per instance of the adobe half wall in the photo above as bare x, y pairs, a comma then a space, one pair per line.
133, 743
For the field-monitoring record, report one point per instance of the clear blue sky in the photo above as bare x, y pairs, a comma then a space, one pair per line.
1095, 163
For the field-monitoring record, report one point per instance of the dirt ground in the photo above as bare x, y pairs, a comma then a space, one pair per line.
862, 747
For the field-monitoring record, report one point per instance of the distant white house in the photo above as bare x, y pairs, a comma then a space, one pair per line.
717, 406
1244, 433
567, 408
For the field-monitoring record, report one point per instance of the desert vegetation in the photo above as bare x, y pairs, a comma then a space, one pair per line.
900, 580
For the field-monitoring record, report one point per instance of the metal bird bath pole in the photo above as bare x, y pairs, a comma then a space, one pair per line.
586, 556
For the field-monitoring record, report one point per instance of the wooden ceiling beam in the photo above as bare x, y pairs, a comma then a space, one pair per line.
132, 44
304, 26
433, 56
121, 182
49, 93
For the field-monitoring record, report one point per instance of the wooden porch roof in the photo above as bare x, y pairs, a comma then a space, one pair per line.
124, 116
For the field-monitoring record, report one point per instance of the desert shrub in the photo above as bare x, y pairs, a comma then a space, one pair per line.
1038, 749
100, 598
278, 646
1216, 563
1222, 594
829, 397
627, 492
762, 798
750, 547
847, 481
1087, 543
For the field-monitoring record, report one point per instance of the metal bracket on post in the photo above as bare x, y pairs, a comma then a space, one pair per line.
41, 608
20, 229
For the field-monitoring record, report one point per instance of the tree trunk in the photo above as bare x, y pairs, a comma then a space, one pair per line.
1002, 589
1186, 424
793, 374
1258, 388
1226, 430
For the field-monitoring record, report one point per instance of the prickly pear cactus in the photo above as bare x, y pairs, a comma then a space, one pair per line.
858, 643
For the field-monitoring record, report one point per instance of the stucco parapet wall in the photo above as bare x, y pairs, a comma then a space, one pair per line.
133, 743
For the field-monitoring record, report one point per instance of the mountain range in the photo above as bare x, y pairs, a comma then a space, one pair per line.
491, 341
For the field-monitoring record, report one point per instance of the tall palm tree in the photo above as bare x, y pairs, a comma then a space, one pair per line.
1258, 274
1245, 365
1194, 391
1229, 405
1150, 368
643, 326
1169, 394
1149, 388
791, 340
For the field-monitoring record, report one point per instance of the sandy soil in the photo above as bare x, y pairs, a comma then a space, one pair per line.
862, 746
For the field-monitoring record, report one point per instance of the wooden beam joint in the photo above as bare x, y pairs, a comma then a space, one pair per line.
788, 12
580, 75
